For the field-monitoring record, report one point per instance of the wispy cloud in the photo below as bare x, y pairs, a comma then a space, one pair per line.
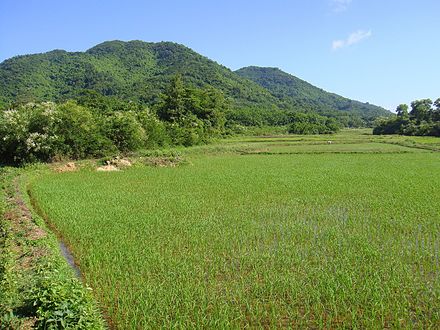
340, 5
352, 39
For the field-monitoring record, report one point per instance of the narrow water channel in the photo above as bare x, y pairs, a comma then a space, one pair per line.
69, 258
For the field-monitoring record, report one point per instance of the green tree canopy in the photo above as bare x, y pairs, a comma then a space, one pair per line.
402, 110
420, 109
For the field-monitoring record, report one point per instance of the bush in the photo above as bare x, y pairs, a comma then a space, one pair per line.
100, 126
312, 124
28, 133
41, 132
187, 131
79, 132
62, 303
123, 129
155, 131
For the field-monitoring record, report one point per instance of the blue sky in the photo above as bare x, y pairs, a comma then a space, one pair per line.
384, 52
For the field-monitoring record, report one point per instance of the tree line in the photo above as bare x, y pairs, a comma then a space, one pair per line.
423, 119
93, 125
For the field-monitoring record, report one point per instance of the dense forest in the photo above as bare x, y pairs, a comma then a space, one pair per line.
422, 119
299, 94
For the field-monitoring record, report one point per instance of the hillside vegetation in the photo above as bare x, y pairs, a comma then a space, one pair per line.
299, 94
134, 70
139, 71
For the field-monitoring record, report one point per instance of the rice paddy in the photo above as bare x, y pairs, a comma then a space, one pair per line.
275, 232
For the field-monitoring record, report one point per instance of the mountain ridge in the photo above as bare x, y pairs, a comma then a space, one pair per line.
140, 71
299, 92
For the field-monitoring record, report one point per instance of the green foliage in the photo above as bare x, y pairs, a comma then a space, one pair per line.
139, 72
402, 111
79, 132
155, 130
62, 303
96, 126
299, 95
173, 104
44, 131
421, 110
192, 115
124, 130
250, 116
186, 131
312, 124
422, 120
28, 133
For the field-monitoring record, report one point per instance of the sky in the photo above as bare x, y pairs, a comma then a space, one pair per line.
385, 52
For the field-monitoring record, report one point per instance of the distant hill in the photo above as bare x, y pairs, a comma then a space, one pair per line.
139, 71
297, 93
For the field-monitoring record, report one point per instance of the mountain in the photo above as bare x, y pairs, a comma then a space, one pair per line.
139, 71
132, 70
296, 93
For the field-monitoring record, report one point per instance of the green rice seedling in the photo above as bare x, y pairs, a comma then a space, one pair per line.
282, 240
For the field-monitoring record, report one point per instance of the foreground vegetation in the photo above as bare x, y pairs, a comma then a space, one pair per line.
290, 231
38, 290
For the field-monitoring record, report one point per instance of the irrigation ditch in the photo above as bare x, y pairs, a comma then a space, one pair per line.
40, 285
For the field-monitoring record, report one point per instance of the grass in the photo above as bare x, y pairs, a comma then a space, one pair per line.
288, 239
37, 288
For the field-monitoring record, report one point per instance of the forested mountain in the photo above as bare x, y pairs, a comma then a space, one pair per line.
132, 70
296, 93
139, 71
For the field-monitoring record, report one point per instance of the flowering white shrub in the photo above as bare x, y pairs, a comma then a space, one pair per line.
28, 133
43, 131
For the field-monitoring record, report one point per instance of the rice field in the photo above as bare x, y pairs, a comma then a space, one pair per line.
275, 232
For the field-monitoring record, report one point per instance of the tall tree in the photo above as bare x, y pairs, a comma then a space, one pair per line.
436, 111
172, 105
420, 110
402, 110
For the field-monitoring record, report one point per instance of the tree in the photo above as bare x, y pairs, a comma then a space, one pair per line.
423, 120
402, 111
420, 110
210, 108
303, 123
436, 111
172, 105
193, 115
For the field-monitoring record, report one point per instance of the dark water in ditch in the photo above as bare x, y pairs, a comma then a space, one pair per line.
69, 258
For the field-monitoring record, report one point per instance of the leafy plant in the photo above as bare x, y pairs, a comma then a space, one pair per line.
62, 303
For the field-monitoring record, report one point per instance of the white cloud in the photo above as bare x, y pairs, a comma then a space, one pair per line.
338, 44
352, 39
340, 5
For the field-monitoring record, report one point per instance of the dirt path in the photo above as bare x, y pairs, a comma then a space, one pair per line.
25, 252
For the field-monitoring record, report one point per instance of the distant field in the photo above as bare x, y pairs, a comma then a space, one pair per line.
298, 148
306, 234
